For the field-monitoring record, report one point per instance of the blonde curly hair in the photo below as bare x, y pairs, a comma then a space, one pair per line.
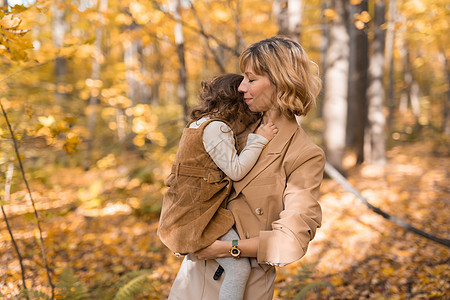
288, 67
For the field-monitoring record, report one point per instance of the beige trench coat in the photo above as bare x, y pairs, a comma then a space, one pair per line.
276, 201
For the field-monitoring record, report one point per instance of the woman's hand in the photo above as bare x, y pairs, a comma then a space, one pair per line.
215, 250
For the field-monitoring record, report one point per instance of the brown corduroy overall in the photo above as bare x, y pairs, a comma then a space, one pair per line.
194, 213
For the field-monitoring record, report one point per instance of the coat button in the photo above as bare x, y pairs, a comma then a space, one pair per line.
259, 211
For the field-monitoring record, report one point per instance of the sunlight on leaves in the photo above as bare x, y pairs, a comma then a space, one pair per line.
107, 162
47, 121
330, 15
71, 144
9, 22
100, 210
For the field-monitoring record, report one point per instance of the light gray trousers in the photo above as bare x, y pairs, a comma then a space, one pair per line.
236, 272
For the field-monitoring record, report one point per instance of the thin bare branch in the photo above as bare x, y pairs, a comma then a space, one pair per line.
16, 148
236, 11
32, 67
9, 174
198, 30
213, 51
336, 175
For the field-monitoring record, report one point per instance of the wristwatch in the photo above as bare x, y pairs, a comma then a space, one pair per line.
235, 251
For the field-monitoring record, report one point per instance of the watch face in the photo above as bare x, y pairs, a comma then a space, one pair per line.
235, 252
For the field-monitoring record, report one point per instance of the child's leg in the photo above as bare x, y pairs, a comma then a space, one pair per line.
236, 272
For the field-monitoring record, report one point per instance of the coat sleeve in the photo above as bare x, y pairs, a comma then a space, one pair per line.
301, 216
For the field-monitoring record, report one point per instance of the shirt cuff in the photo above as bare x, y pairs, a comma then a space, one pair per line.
275, 264
277, 248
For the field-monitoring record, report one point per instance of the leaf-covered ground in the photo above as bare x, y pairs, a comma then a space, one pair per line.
361, 254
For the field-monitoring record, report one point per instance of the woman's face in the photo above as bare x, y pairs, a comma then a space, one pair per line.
258, 91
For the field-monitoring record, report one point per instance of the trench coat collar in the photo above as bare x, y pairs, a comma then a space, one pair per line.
270, 153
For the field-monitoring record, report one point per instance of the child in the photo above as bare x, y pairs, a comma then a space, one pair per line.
194, 212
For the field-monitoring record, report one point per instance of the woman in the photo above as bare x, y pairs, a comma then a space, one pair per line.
193, 213
275, 205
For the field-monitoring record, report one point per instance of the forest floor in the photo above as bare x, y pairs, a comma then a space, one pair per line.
361, 254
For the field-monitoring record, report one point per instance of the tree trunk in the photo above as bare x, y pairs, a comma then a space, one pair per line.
182, 72
159, 69
375, 151
131, 59
357, 101
146, 71
323, 52
289, 17
239, 39
336, 85
121, 120
389, 59
411, 93
295, 13
152, 70
281, 15
97, 62
132, 54
60, 65
446, 117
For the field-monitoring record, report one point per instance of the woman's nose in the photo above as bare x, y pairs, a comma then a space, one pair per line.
242, 88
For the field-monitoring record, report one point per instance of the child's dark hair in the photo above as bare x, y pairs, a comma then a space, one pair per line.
220, 98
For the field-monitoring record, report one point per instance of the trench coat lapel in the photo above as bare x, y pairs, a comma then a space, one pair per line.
269, 154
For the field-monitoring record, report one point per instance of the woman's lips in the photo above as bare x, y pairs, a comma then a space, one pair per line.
247, 100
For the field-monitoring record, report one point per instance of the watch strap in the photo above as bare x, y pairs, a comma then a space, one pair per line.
235, 251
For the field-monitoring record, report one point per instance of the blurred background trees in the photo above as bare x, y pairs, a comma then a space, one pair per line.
98, 92
99, 77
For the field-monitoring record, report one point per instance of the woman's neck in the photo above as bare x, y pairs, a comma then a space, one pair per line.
273, 115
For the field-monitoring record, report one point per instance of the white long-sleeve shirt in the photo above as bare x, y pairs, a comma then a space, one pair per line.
219, 142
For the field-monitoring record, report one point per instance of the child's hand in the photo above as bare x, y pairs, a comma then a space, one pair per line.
267, 130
